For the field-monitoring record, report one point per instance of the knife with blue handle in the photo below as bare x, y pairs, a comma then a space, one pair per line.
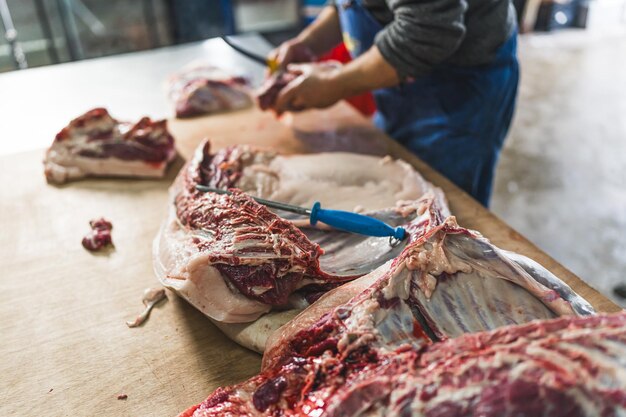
339, 219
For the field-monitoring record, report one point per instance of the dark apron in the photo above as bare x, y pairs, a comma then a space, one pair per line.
455, 118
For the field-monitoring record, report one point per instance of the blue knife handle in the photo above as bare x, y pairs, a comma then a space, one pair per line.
353, 222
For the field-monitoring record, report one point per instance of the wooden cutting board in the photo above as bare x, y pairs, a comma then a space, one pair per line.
64, 347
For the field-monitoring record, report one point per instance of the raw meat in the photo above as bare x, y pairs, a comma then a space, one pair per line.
100, 235
268, 93
451, 281
95, 144
566, 367
271, 88
204, 89
374, 347
235, 260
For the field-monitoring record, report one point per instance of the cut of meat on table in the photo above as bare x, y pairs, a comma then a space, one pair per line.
100, 235
401, 341
95, 144
236, 260
201, 89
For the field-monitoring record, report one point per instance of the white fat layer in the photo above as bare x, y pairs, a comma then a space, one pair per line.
61, 165
338, 180
254, 335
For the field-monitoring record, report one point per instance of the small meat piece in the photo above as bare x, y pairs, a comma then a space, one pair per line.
122, 397
100, 235
96, 144
202, 89
268, 93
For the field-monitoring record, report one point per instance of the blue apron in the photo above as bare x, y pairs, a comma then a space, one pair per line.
455, 118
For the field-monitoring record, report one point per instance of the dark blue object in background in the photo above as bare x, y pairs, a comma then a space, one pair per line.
555, 15
194, 20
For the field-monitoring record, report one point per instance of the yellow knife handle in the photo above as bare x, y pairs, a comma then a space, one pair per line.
272, 65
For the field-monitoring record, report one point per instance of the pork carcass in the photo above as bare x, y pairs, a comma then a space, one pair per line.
400, 341
96, 144
201, 89
235, 260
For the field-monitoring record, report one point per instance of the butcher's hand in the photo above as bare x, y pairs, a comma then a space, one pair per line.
315, 86
291, 51
315, 40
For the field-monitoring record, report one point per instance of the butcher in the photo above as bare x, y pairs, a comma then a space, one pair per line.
444, 75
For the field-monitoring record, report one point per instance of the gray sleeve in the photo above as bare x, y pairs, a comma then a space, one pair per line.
422, 34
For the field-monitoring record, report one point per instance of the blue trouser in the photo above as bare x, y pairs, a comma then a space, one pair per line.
455, 118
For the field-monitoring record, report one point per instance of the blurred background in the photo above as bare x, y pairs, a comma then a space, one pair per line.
44, 32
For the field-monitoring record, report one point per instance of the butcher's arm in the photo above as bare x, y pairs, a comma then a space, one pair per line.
323, 34
368, 72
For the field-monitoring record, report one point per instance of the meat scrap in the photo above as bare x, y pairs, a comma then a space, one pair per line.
201, 89
100, 235
96, 144
151, 297
122, 397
